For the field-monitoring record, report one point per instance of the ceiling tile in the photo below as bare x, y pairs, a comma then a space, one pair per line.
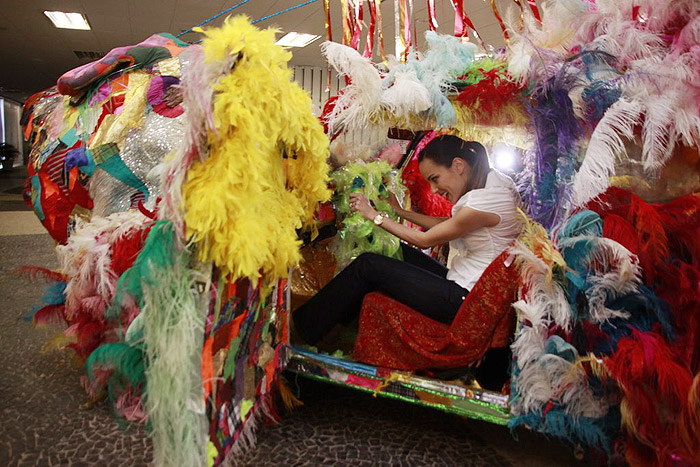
193, 14
107, 23
109, 40
116, 9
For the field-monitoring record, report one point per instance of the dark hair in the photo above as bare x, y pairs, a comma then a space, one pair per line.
443, 149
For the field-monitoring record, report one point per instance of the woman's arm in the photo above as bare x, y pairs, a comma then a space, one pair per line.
427, 222
422, 220
465, 221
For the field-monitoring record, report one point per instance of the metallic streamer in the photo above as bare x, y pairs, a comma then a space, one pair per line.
405, 28
378, 9
432, 18
409, 19
357, 24
397, 31
535, 11
459, 29
327, 10
329, 37
521, 19
369, 43
345, 12
415, 36
463, 23
500, 21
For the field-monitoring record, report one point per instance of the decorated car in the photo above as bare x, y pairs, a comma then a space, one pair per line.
186, 186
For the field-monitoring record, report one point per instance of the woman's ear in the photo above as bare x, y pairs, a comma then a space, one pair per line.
458, 165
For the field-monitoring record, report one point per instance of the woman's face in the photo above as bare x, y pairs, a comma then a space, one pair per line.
450, 182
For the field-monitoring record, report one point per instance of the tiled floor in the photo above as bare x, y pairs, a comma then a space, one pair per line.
43, 422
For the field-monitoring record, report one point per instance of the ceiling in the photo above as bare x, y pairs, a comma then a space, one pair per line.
34, 53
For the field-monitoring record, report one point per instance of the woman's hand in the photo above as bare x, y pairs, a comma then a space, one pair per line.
394, 203
359, 203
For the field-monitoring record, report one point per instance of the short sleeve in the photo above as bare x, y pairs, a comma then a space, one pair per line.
497, 201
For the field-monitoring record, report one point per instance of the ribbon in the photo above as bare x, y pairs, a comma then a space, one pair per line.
500, 20
327, 10
378, 10
397, 30
520, 21
415, 34
329, 37
460, 30
357, 24
409, 20
535, 11
347, 32
405, 28
432, 19
369, 43
463, 22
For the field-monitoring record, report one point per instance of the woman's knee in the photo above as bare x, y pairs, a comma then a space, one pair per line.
367, 262
365, 257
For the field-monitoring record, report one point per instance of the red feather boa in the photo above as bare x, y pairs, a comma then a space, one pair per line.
423, 199
495, 90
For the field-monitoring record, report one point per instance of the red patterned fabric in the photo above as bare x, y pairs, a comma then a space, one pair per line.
396, 336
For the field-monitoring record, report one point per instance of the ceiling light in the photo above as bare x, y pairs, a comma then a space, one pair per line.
68, 20
296, 39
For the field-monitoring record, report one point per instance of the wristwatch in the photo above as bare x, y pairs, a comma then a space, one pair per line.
378, 219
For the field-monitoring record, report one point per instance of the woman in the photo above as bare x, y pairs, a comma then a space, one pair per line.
484, 222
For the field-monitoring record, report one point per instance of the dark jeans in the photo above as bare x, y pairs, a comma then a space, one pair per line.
418, 282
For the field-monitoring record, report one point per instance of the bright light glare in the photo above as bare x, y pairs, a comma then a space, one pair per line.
296, 39
68, 20
504, 158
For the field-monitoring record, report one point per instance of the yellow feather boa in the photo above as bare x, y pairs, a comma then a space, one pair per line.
244, 202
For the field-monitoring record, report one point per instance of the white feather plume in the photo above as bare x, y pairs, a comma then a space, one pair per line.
519, 58
657, 133
552, 378
406, 95
604, 148
545, 295
360, 99
86, 260
529, 342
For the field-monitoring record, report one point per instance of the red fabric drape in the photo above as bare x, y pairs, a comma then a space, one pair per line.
394, 335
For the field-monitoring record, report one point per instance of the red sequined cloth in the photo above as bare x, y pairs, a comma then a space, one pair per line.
396, 336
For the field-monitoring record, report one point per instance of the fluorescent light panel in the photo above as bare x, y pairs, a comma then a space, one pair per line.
296, 39
68, 20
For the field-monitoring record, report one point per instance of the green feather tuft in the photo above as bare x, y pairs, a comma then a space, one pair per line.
156, 254
126, 361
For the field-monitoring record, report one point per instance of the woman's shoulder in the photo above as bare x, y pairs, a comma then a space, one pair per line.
496, 179
499, 190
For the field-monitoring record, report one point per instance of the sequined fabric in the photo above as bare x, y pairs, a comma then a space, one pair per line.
314, 271
393, 335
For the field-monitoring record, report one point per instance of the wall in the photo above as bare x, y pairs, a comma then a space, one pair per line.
314, 80
10, 129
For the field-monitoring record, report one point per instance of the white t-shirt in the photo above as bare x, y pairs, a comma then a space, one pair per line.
477, 249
